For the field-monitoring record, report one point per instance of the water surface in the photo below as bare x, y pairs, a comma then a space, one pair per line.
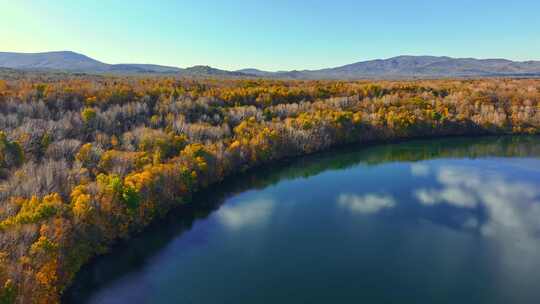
441, 221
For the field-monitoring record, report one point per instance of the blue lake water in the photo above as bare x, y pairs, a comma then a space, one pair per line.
435, 221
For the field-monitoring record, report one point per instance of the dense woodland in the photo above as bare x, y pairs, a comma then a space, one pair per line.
88, 160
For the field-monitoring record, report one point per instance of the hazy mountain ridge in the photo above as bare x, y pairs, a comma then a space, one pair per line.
426, 66
64, 60
208, 70
144, 68
396, 67
74, 62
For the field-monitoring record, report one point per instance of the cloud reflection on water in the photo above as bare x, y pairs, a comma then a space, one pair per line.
366, 204
512, 208
419, 169
246, 214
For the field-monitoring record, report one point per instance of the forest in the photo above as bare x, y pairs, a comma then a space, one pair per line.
86, 161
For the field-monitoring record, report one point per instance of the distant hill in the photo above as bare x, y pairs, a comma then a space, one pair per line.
73, 62
142, 68
396, 67
204, 70
68, 61
257, 72
416, 66
430, 66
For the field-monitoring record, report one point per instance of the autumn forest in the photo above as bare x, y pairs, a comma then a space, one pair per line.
88, 160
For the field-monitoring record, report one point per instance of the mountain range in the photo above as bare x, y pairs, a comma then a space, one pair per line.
396, 67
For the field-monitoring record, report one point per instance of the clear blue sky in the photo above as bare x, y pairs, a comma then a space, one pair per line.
272, 34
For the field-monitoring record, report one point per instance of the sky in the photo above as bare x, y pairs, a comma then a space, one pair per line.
273, 34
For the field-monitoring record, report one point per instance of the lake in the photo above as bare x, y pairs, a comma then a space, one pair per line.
452, 220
